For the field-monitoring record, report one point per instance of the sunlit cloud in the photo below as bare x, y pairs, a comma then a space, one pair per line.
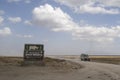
57, 20
27, 22
5, 31
24, 36
16, 1
93, 6
14, 19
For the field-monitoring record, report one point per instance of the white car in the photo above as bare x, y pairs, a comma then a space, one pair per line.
84, 57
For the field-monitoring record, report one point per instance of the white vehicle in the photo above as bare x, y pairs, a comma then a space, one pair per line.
84, 57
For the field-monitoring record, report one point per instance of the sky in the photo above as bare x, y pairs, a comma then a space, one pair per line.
65, 27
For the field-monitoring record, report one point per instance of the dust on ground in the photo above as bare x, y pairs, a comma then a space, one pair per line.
57, 69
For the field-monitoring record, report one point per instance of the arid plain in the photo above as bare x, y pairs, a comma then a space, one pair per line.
62, 68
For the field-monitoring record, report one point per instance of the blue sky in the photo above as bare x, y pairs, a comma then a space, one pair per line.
64, 26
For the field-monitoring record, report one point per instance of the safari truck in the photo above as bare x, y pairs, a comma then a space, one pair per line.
84, 57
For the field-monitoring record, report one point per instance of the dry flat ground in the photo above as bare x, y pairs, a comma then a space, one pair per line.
56, 69
111, 59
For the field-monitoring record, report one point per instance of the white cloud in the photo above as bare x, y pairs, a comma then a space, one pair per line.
72, 3
1, 12
112, 3
27, 1
1, 20
53, 18
6, 31
57, 20
14, 19
24, 36
28, 22
97, 33
76, 3
14, 0
27, 36
90, 6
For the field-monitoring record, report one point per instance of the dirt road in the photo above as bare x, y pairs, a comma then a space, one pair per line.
91, 71
99, 71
